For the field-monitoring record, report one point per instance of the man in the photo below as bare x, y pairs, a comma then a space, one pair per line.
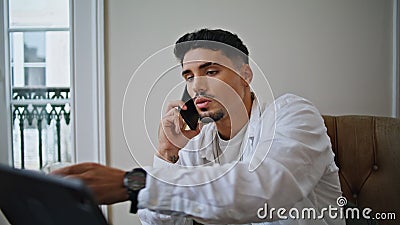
243, 159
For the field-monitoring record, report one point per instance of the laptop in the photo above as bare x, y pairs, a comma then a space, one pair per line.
32, 198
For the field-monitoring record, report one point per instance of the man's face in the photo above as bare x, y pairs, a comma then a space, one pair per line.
213, 83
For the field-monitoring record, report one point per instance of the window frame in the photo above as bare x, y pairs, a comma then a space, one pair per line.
5, 111
87, 83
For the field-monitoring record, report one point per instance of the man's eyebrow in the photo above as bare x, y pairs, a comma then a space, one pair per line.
185, 72
202, 66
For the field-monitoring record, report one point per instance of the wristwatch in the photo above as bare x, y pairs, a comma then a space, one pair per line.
134, 181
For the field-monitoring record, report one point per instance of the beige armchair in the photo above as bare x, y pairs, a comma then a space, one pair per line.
367, 152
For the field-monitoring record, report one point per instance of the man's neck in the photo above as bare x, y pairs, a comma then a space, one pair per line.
230, 125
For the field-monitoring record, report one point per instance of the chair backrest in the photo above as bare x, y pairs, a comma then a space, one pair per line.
367, 152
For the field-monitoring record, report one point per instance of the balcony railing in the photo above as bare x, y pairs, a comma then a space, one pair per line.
41, 117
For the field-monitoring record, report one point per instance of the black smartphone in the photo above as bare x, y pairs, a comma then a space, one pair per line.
190, 115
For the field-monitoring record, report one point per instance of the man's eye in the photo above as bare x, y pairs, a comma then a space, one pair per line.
211, 72
189, 78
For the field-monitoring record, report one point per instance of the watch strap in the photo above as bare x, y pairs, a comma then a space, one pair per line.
134, 202
133, 194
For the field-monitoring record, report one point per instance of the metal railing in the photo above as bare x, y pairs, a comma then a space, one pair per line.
36, 108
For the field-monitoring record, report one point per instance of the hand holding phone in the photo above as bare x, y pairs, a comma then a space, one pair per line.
190, 115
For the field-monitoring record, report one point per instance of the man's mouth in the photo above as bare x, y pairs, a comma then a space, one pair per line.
202, 102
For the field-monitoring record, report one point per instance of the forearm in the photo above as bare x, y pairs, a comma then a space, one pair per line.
105, 182
240, 191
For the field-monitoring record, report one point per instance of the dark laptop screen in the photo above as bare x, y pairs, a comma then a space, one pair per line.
29, 197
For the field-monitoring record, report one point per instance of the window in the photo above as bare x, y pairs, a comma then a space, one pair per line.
39, 57
51, 82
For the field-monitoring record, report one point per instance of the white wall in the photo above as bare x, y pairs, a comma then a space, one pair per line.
337, 53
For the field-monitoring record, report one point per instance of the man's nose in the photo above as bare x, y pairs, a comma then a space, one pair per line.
199, 84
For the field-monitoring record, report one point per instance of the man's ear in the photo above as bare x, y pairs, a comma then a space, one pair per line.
246, 73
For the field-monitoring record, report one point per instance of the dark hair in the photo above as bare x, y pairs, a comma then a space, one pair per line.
230, 44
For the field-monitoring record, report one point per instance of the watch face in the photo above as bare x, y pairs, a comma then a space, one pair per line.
135, 180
